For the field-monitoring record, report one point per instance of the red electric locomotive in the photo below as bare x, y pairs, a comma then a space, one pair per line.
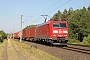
53, 32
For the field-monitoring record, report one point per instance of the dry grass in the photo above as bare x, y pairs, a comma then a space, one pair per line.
12, 55
2, 49
33, 53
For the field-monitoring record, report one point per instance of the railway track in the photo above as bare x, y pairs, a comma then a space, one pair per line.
78, 48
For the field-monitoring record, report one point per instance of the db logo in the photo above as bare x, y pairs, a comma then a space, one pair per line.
60, 31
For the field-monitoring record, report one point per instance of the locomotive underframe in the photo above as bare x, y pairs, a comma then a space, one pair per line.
53, 41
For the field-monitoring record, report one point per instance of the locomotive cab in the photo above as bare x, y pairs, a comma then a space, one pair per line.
59, 32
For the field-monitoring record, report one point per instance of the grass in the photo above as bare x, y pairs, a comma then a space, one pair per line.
12, 55
84, 42
2, 49
33, 53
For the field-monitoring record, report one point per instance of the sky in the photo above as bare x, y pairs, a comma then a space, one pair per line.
31, 11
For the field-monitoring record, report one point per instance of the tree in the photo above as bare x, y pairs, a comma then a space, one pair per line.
2, 35
65, 14
57, 16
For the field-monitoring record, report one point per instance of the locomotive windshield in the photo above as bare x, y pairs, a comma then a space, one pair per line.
56, 25
62, 25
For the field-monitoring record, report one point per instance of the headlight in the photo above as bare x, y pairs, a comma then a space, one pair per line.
65, 31
55, 31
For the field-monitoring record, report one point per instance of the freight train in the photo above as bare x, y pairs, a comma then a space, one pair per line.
53, 32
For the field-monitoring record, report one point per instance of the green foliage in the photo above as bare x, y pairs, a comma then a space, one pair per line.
73, 41
2, 36
86, 40
57, 16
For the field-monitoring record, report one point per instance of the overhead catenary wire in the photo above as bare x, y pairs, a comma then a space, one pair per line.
59, 6
49, 8
27, 19
43, 11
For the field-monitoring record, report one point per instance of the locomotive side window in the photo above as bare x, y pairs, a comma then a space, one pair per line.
62, 25
56, 25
